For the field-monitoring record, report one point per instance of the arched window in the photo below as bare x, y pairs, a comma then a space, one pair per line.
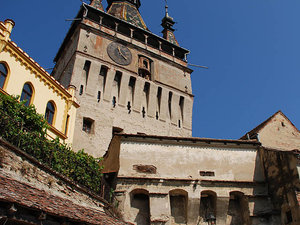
3, 74
140, 206
50, 112
178, 205
27, 94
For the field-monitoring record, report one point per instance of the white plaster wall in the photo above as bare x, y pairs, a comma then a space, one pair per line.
185, 162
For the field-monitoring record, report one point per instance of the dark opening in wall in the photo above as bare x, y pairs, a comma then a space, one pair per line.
131, 85
103, 71
159, 92
178, 204
114, 101
167, 48
129, 107
118, 78
181, 106
86, 69
140, 202
147, 91
93, 16
145, 65
124, 30
153, 42
170, 103
208, 203
88, 125
99, 96
81, 90
143, 112
207, 173
108, 22
238, 208
139, 36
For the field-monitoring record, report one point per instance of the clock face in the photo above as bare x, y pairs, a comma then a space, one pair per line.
119, 53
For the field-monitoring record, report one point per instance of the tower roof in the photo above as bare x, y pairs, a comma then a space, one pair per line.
97, 4
127, 10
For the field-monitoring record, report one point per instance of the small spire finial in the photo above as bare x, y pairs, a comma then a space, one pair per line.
167, 13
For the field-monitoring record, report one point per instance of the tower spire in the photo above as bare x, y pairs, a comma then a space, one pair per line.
97, 4
167, 24
127, 10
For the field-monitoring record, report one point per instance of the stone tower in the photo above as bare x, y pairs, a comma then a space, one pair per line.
127, 79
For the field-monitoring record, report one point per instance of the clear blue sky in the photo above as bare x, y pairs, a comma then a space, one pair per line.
252, 49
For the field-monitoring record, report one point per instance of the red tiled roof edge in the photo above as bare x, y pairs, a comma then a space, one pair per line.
13, 191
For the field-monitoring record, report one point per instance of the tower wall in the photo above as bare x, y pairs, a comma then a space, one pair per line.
123, 99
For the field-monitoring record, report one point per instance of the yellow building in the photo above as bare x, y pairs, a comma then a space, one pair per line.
21, 75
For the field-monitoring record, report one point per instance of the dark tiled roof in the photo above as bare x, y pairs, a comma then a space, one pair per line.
23, 194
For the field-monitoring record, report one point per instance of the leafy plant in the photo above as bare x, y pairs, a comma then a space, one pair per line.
23, 127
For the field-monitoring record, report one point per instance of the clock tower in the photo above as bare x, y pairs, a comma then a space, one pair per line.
127, 79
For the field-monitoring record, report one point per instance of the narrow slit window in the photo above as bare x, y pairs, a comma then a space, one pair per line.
118, 78
170, 103
99, 96
81, 90
86, 69
131, 84
159, 91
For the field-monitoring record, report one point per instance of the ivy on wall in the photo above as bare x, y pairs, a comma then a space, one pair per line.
23, 127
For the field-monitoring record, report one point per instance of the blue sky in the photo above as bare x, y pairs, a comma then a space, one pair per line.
252, 49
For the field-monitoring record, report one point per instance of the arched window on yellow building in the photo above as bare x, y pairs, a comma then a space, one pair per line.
27, 94
3, 75
50, 112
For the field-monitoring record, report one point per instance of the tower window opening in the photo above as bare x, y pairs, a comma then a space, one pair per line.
117, 79
144, 67
131, 85
146, 91
159, 91
99, 96
181, 106
157, 115
81, 90
114, 102
170, 103
86, 69
145, 64
87, 125
179, 123
129, 107
103, 71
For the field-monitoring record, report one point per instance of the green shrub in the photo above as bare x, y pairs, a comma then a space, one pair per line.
25, 128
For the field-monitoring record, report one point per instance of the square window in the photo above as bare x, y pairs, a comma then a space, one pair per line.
87, 125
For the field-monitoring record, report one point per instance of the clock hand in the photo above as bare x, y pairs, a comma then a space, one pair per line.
120, 52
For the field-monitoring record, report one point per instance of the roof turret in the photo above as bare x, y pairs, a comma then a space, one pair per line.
167, 24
